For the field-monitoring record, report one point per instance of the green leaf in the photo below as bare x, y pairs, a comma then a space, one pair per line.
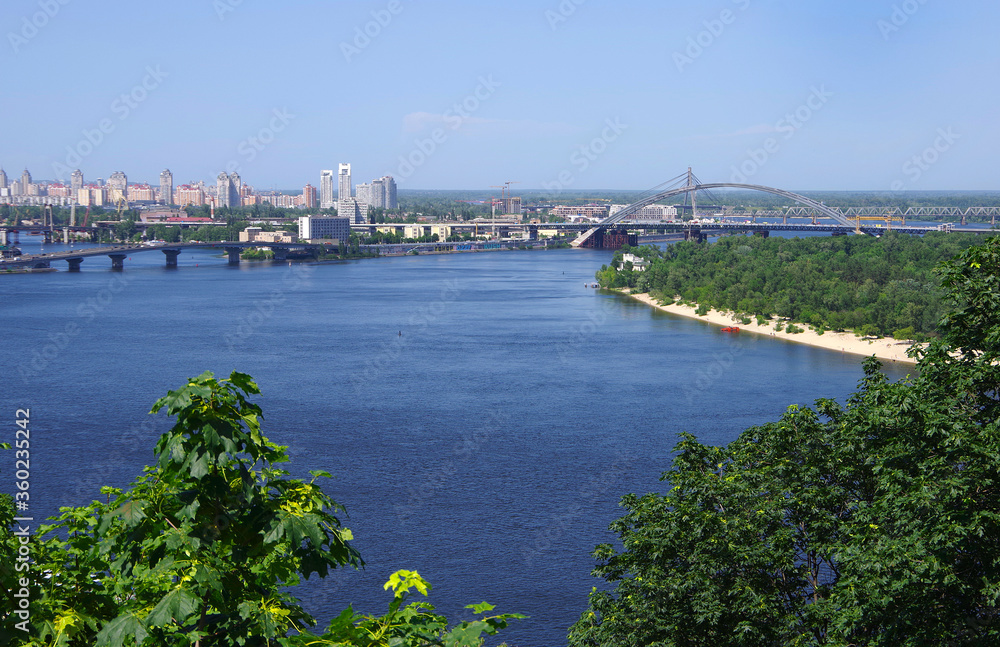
118, 630
480, 608
177, 606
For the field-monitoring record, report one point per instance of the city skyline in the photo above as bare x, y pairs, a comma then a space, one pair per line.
229, 190
852, 96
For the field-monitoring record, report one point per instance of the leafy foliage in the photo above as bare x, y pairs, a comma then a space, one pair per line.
413, 624
201, 548
873, 523
836, 283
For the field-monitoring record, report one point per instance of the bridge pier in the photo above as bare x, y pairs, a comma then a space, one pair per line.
280, 253
963, 220
171, 255
65, 235
117, 261
47, 236
695, 234
74, 264
763, 233
4, 241
234, 255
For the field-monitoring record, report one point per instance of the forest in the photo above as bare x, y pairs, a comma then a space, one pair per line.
882, 286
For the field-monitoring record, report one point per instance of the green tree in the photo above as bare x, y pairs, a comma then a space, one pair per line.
874, 523
202, 548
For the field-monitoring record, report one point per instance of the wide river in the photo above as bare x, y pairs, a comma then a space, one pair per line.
482, 413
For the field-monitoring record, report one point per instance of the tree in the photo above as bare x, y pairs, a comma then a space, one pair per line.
201, 548
877, 522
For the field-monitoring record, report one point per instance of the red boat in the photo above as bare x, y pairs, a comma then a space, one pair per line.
730, 329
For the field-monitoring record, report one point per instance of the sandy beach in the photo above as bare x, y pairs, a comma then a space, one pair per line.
885, 348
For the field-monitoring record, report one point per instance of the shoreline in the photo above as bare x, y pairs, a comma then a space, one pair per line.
887, 349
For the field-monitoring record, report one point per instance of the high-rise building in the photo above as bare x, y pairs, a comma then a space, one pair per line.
228, 190
376, 193
354, 210
235, 190
326, 199
380, 193
391, 202
188, 194
141, 193
365, 193
3, 179
166, 187
25, 182
309, 196
344, 182
76, 180
117, 186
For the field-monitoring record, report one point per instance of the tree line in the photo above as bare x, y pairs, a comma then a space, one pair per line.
873, 522
881, 286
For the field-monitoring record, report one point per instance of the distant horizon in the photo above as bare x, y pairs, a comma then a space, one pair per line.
858, 95
515, 192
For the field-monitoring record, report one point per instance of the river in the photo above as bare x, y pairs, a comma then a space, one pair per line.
482, 413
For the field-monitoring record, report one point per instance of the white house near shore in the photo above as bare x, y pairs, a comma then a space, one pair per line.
639, 264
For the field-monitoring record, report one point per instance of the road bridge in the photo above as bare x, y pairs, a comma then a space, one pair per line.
595, 236
119, 253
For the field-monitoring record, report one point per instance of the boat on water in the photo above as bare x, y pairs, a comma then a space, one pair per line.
731, 329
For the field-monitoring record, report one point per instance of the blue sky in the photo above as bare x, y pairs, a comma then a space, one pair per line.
576, 94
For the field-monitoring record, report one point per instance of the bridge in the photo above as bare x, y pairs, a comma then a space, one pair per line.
609, 234
118, 253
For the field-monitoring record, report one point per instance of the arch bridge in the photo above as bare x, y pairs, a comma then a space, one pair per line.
587, 238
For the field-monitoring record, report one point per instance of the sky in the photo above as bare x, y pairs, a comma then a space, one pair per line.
552, 94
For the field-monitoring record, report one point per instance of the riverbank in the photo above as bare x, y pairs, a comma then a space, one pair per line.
885, 349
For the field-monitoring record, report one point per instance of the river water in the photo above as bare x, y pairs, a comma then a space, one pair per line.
482, 413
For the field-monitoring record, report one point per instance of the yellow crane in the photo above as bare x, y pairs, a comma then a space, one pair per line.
888, 220
122, 206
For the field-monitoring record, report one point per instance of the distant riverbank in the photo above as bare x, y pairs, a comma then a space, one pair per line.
883, 348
